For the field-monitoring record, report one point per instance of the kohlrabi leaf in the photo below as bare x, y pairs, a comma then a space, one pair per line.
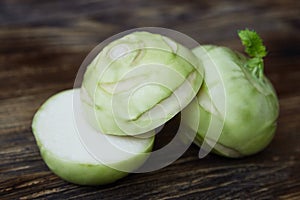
253, 43
255, 49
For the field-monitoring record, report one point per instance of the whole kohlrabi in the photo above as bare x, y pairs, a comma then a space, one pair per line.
139, 82
237, 97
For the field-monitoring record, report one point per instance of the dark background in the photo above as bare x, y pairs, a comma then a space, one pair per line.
42, 44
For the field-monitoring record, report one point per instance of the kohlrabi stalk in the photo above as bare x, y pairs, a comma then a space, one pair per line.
250, 108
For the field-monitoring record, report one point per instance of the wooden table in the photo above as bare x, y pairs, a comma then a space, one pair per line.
42, 44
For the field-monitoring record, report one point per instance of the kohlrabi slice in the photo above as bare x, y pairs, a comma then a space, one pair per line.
56, 131
139, 82
247, 110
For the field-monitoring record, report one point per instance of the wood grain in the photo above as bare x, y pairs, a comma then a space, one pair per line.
42, 44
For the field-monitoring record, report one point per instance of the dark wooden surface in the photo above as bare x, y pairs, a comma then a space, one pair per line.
42, 44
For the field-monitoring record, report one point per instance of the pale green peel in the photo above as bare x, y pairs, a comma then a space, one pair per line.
82, 174
133, 76
251, 104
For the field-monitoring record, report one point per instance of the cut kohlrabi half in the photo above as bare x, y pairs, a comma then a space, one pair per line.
56, 132
139, 82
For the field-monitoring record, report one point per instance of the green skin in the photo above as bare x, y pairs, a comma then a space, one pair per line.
89, 174
251, 105
145, 49
86, 173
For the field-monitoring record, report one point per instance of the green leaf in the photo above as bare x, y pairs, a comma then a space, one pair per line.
255, 48
253, 43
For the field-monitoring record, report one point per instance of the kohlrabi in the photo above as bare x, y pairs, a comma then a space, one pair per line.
248, 110
56, 130
139, 82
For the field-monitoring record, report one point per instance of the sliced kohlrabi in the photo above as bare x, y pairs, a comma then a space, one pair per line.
56, 132
139, 82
